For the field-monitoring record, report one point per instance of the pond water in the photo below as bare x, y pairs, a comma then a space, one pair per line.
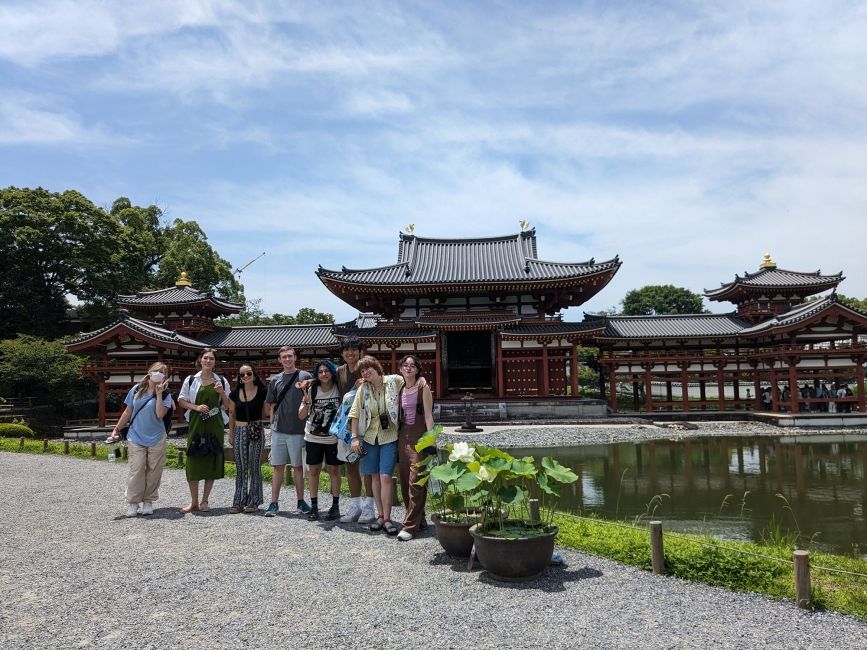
731, 487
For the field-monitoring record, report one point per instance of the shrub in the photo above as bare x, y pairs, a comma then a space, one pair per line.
15, 431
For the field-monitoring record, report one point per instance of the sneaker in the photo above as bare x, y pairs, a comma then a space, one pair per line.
303, 507
313, 515
404, 536
352, 514
333, 511
368, 514
147, 508
273, 507
132, 510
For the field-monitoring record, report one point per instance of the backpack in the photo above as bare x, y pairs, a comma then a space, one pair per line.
340, 427
169, 416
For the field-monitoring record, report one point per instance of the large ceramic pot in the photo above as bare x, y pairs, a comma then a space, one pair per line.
453, 536
514, 560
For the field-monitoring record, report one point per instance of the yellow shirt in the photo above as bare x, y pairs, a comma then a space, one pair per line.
367, 408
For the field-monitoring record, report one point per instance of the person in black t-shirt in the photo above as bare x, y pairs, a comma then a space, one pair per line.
247, 438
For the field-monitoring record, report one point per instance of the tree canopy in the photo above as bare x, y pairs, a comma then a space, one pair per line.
253, 314
59, 245
658, 299
856, 303
35, 367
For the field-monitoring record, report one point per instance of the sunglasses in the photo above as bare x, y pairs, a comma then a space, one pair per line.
245, 374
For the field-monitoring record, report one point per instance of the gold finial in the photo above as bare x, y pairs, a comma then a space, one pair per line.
768, 263
184, 280
409, 229
524, 224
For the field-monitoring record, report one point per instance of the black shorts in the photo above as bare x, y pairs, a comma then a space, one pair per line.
317, 451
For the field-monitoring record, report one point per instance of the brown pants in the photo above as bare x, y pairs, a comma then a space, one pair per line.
413, 495
145, 471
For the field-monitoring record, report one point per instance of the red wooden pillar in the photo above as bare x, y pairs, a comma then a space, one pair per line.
859, 380
394, 368
612, 382
684, 386
775, 392
501, 371
545, 382
720, 386
438, 368
648, 389
794, 391
573, 376
757, 387
102, 401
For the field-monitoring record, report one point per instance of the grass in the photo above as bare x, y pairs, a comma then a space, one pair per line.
724, 563
691, 557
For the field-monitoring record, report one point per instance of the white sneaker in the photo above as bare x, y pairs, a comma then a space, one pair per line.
147, 508
404, 536
132, 510
352, 514
368, 513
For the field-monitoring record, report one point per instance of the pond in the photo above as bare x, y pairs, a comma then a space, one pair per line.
729, 487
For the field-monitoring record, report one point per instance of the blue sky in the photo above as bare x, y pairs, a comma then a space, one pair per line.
689, 138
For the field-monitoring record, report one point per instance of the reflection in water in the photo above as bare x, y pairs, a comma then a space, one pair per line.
732, 487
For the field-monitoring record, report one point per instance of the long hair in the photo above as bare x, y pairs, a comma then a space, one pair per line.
328, 363
257, 381
203, 353
158, 366
414, 359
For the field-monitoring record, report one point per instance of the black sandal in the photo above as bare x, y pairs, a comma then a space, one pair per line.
390, 527
377, 525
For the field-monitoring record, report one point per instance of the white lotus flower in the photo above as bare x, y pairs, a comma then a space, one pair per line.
487, 475
463, 452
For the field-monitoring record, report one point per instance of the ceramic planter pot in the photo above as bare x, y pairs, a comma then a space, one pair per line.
514, 560
454, 537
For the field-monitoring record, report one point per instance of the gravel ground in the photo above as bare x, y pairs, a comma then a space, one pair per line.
76, 573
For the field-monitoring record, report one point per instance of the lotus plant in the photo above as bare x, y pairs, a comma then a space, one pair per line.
494, 482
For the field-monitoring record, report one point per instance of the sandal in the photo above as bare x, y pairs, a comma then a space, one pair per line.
234, 510
113, 439
390, 527
204, 507
377, 525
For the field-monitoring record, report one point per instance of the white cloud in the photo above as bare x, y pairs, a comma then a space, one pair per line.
25, 120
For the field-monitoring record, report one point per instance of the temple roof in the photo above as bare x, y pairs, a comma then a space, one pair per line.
177, 296
506, 259
481, 318
554, 328
801, 313
147, 329
679, 326
271, 336
773, 278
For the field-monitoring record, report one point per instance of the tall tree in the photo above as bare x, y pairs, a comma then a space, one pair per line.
61, 245
658, 299
253, 314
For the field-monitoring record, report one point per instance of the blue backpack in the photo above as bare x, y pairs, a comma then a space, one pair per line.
340, 427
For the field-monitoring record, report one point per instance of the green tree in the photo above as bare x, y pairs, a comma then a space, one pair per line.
253, 314
61, 245
658, 299
35, 367
853, 302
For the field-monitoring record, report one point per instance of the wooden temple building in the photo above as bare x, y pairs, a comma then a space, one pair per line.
484, 316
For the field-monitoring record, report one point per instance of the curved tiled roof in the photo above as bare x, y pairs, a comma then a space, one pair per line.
389, 333
271, 336
776, 279
511, 258
800, 313
681, 326
435, 319
146, 328
554, 329
174, 296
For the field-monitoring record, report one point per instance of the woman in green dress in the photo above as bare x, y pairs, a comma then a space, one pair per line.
205, 396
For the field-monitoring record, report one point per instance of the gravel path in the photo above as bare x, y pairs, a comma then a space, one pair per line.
76, 573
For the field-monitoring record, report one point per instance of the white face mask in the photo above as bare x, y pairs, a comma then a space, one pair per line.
157, 376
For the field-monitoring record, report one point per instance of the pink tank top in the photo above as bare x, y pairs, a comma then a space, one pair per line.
408, 402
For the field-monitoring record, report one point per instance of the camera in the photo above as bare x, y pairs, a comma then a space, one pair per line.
383, 422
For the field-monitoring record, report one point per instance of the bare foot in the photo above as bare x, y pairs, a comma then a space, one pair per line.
204, 507
190, 508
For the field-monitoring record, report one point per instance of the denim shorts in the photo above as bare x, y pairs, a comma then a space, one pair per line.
286, 449
380, 459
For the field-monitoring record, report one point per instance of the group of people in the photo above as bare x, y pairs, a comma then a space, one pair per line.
833, 399
387, 415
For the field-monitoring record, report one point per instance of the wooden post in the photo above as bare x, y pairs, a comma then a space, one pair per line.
533, 507
66, 447
573, 375
45, 445
21, 444
802, 578
180, 456
125, 452
93, 449
657, 552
